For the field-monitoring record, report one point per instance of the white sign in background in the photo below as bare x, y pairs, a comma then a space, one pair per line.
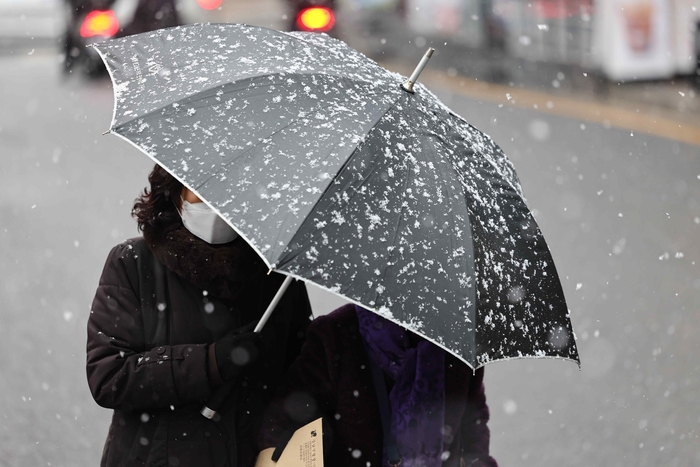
633, 39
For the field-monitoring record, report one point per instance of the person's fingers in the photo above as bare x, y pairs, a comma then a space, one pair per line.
281, 444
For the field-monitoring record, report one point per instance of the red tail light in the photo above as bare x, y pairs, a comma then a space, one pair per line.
99, 23
209, 4
318, 19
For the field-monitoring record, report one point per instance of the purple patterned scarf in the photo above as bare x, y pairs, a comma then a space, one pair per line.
417, 398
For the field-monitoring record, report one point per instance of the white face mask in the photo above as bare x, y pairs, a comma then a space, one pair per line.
206, 224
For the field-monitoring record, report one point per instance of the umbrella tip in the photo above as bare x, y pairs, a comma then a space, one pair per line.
408, 85
106, 132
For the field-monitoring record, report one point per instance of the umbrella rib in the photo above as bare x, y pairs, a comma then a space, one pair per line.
200, 96
464, 197
204, 92
516, 188
396, 228
338, 174
225, 164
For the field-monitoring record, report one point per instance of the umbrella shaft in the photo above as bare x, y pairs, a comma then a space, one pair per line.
273, 304
219, 398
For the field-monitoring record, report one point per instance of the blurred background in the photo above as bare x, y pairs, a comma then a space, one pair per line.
595, 102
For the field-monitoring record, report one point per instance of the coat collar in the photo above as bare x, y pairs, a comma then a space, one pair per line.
221, 270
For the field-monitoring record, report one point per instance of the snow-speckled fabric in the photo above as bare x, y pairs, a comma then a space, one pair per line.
335, 175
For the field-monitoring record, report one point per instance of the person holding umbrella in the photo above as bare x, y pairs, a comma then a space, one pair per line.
171, 324
387, 397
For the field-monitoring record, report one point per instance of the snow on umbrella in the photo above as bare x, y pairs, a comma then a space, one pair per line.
338, 175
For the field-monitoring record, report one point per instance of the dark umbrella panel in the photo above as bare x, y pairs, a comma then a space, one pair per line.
337, 175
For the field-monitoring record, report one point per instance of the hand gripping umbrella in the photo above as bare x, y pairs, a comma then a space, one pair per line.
343, 174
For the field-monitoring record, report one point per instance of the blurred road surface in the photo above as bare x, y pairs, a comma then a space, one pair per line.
620, 210
30, 23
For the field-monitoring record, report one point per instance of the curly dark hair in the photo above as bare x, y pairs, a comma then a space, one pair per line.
157, 209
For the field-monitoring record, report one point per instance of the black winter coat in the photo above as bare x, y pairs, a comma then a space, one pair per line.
157, 392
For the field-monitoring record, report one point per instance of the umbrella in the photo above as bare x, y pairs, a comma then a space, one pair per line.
337, 174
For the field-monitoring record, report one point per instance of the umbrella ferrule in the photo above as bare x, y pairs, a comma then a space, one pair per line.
408, 85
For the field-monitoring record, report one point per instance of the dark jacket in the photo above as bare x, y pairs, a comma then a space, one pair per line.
332, 378
156, 393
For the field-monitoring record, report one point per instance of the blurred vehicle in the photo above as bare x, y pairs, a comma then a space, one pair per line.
90, 21
314, 16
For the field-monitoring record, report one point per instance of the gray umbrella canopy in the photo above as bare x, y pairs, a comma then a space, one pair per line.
337, 176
